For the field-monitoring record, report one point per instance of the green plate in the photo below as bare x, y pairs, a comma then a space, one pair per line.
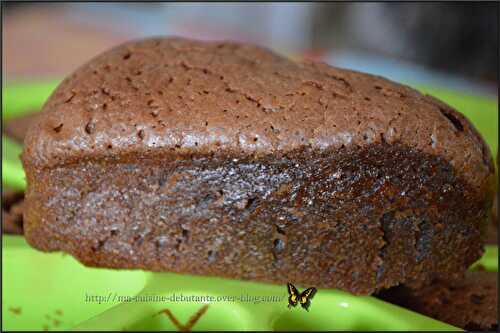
52, 291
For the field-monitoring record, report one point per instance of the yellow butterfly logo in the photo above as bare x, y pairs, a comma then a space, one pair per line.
304, 298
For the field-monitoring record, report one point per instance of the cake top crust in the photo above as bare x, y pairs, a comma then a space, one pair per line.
179, 96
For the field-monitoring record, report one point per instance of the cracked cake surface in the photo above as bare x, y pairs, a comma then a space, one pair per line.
172, 93
226, 159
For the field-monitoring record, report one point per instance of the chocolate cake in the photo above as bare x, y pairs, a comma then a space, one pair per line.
12, 211
17, 127
13, 201
225, 159
470, 303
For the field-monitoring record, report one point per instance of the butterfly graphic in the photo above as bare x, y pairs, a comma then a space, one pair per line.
303, 298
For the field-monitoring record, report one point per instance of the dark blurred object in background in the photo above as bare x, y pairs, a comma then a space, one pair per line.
455, 37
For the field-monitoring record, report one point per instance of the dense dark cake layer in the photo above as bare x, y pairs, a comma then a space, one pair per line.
357, 219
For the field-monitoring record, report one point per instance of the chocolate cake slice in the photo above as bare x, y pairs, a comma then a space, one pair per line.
17, 127
228, 160
12, 211
470, 303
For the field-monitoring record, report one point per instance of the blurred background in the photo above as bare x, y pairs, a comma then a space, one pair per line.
452, 45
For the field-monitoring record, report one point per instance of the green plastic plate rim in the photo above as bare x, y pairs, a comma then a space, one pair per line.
66, 283
20, 98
